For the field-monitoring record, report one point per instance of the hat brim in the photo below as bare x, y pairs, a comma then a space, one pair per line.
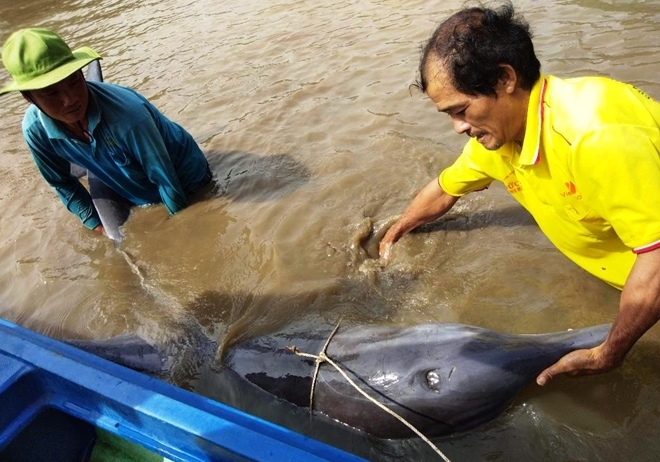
82, 57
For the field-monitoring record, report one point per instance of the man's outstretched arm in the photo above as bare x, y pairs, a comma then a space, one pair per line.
430, 203
639, 310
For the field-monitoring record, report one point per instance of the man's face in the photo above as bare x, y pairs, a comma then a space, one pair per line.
65, 101
491, 121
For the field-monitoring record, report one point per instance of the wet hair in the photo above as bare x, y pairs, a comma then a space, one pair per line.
473, 44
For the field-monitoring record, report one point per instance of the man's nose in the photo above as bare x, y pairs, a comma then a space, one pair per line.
68, 98
460, 126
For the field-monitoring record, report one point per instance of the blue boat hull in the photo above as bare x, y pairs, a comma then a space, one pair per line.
47, 384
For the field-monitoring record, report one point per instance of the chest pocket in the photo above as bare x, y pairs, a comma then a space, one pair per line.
115, 152
119, 157
588, 218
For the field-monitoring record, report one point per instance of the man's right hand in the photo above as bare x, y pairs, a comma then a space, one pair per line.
580, 362
429, 204
99, 229
388, 240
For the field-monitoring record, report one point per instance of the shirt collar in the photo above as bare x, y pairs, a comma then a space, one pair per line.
55, 130
531, 148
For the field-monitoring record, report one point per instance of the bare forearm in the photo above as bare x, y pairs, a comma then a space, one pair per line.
639, 309
429, 204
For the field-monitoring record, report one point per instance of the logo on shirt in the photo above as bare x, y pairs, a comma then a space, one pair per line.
512, 184
110, 141
571, 190
514, 187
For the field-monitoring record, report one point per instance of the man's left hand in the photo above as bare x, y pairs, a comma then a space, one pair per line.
579, 362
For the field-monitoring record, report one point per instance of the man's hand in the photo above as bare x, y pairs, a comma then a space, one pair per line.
639, 310
386, 243
99, 229
429, 204
580, 362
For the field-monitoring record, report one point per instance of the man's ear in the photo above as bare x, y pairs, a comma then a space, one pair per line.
508, 79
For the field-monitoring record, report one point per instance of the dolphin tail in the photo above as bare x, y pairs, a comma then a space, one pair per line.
94, 72
111, 207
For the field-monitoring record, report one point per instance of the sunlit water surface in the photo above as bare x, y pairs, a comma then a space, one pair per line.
305, 113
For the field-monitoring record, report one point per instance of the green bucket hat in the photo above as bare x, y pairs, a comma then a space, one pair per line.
37, 58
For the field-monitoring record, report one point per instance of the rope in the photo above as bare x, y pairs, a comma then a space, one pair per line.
322, 357
319, 360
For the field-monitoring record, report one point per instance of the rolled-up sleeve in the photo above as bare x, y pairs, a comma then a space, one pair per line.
467, 174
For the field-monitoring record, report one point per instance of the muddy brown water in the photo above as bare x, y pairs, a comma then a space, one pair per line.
305, 113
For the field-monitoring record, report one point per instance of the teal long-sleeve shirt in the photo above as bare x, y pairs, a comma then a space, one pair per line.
134, 149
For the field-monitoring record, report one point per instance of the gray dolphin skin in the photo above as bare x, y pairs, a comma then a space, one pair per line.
128, 350
442, 378
113, 209
94, 72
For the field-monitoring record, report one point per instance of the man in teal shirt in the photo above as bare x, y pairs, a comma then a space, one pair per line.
112, 131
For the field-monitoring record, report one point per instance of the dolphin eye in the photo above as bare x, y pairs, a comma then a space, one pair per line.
433, 380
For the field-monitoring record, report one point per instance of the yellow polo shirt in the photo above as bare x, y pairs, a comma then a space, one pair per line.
588, 171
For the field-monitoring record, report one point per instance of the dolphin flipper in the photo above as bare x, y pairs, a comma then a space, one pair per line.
77, 171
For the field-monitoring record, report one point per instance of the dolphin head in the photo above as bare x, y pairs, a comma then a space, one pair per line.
442, 378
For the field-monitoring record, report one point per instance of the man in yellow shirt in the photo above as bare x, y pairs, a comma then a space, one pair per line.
581, 155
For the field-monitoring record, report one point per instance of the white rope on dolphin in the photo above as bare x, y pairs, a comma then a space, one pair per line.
322, 357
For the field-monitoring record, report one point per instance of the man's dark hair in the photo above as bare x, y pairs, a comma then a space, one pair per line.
473, 44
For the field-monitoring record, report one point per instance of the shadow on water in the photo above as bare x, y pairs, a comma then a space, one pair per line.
366, 239
239, 177
510, 216
249, 177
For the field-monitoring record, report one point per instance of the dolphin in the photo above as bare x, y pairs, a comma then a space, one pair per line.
442, 378
113, 209
94, 72
128, 350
